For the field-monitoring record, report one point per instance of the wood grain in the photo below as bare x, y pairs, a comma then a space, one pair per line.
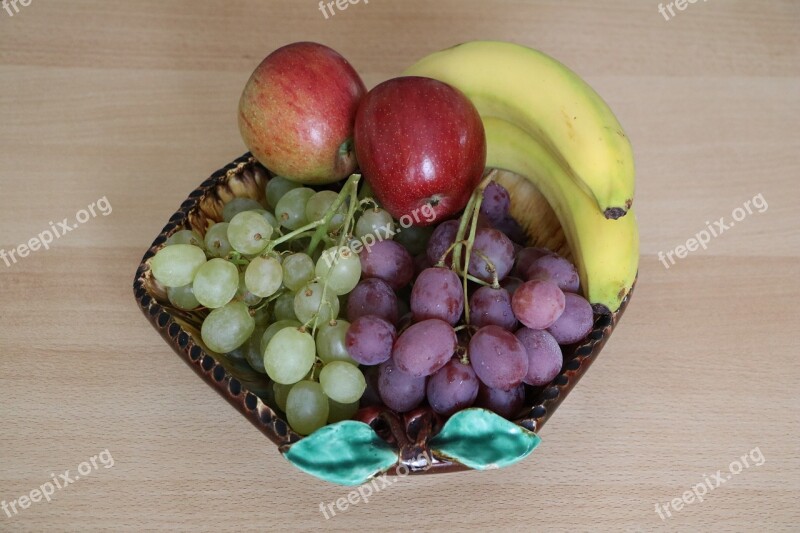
135, 102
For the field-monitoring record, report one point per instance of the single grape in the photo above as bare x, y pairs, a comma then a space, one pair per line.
249, 233
298, 269
283, 308
453, 388
239, 205
498, 248
177, 265
526, 257
437, 293
185, 236
512, 230
264, 276
372, 296
331, 342
182, 297
544, 356
498, 357
575, 322
389, 261
425, 347
442, 238
244, 295
507, 404
496, 202
216, 283
342, 382
291, 208
398, 390
306, 407
538, 303
341, 268
250, 351
376, 222
556, 269
308, 302
227, 328
341, 411
289, 355
276, 188
414, 238
271, 220
216, 240
369, 340
270, 332
320, 203
281, 393
490, 306
511, 284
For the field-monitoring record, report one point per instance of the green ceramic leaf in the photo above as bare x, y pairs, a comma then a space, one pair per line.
347, 452
482, 440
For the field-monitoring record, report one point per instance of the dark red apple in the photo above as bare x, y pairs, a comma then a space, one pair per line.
420, 142
297, 112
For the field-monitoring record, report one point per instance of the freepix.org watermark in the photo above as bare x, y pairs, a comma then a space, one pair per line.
340, 5
55, 231
12, 6
703, 237
753, 458
47, 489
680, 5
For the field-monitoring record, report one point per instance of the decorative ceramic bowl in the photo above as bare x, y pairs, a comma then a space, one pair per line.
351, 452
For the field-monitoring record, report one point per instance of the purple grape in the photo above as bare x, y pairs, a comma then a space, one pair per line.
511, 284
575, 322
369, 340
556, 269
512, 229
398, 390
490, 306
371, 395
372, 296
526, 257
441, 239
389, 261
453, 388
425, 347
498, 357
496, 202
507, 404
538, 303
421, 262
544, 356
437, 293
498, 248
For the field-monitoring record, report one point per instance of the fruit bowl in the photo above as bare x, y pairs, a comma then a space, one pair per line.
403, 442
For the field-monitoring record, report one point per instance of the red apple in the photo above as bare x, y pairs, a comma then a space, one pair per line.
297, 112
420, 142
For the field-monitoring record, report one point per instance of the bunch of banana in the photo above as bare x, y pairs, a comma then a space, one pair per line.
545, 123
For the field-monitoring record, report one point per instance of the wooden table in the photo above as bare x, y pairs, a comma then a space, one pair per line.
135, 102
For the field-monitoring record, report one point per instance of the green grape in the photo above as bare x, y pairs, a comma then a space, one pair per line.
281, 393
291, 208
216, 283
319, 204
249, 233
262, 316
365, 191
244, 295
342, 382
239, 205
176, 265
289, 355
228, 327
270, 218
306, 407
217, 242
250, 351
308, 302
185, 236
414, 238
341, 411
376, 222
330, 342
263, 276
298, 269
182, 297
272, 329
284, 307
341, 267
276, 188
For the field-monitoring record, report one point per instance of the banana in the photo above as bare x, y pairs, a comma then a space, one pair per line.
552, 104
606, 252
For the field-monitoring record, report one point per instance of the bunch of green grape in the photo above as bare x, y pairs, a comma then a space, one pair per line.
274, 297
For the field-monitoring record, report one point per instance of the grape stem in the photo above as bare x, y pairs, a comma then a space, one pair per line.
491, 268
299, 231
350, 188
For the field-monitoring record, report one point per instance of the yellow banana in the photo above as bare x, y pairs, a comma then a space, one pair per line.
550, 102
606, 252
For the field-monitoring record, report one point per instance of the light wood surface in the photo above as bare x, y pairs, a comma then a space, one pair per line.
136, 101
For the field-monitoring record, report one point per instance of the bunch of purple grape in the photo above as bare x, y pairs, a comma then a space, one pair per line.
467, 336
